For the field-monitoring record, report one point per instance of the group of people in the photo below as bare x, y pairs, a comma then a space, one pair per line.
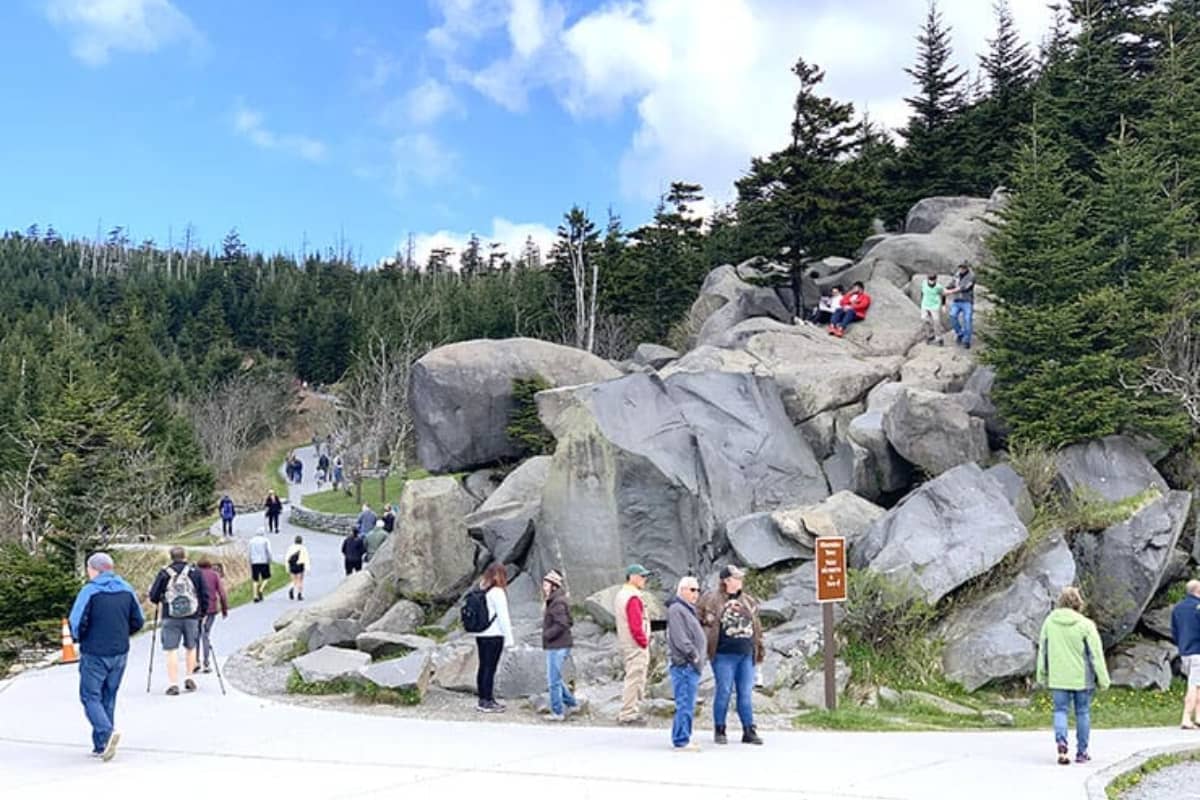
366, 537
330, 470
293, 467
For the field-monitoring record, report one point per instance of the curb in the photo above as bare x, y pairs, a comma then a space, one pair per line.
1097, 784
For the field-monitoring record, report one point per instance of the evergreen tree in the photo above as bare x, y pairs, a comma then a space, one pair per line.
1172, 128
471, 261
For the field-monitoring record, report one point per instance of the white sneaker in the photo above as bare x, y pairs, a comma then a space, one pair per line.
552, 717
110, 749
690, 747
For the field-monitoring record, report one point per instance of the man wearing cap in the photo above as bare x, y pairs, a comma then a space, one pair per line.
686, 647
556, 641
105, 613
730, 619
633, 638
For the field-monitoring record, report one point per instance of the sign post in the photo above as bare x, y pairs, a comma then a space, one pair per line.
831, 588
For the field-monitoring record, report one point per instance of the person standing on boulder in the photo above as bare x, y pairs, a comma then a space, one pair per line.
932, 298
854, 309
260, 562
180, 589
228, 512
730, 619
1185, 632
962, 307
1070, 663
557, 642
354, 547
687, 647
274, 507
491, 640
297, 564
633, 638
218, 602
103, 617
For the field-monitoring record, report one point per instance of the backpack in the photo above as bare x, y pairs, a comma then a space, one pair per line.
181, 598
474, 614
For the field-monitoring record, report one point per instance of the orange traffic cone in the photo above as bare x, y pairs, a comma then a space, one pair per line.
69, 656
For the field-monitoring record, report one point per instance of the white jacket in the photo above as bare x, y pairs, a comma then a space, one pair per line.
497, 603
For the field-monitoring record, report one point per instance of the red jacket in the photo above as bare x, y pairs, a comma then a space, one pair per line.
216, 591
859, 301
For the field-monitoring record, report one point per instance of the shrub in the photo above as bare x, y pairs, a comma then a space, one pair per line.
1037, 465
524, 425
887, 631
32, 589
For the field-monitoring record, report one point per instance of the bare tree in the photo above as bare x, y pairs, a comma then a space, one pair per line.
22, 496
1174, 367
235, 414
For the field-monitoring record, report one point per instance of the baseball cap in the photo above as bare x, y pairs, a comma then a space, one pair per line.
732, 571
554, 576
636, 569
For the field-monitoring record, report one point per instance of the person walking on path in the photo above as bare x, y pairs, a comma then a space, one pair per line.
298, 469
1070, 663
322, 469
734, 632
180, 589
354, 547
339, 473
557, 642
492, 640
366, 520
218, 602
290, 467
228, 512
103, 617
687, 648
297, 565
633, 639
389, 518
260, 562
375, 539
932, 299
1185, 632
962, 307
274, 507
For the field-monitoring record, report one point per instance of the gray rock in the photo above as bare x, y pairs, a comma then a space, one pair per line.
333, 632
889, 696
852, 468
525, 598
330, 664
1158, 621
504, 524
811, 690
1112, 467
381, 641
889, 471
482, 482
654, 356
461, 396
977, 400
650, 470
949, 530
455, 666
410, 673
404, 616
438, 557
923, 253
599, 606
893, 323
1179, 568
842, 514
344, 602
825, 429
795, 605
758, 543
522, 672
931, 430
1142, 664
928, 214
1121, 568
869, 244
938, 369
938, 703
727, 299
1001, 719
996, 637
1014, 489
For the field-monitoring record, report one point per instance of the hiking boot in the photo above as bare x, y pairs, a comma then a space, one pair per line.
750, 736
207, 669
719, 735
195, 669
1082, 758
189, 685
291, 594
110, 749
299, 595
173, 690
1063, 758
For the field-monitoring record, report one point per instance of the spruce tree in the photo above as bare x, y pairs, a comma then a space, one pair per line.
1172, 128
936, 75
1007, 64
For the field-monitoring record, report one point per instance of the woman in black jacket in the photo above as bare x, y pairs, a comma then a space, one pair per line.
353, 549
556, 641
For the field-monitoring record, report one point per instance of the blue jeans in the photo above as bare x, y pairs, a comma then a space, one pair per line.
560, 695
843, 317
732, 670
962, 313
99, 680
685, 681
1082, 700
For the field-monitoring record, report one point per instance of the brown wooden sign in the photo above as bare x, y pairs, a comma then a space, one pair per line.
831, 569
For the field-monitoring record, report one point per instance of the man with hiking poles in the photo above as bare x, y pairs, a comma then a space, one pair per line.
180, 592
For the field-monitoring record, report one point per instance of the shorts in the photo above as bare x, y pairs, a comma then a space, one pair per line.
1191, 665
174, 629
260, 572
296, 569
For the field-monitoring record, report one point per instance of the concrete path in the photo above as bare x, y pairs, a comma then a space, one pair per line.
248, 746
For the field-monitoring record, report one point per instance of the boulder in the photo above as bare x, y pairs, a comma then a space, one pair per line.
923, 253
461, 396
374, 642
333, 632
599, 606
1014, 489
455, 666
758, 542
482, 482
795, 604
949, 530
1179, 568
522, 672
1142, 664
438, 557
852, 468
931, 212
504, 523
842, 514
1158, 621
654, 356
1113, 468
938, 369
977, 400
932, 431
651, 470
811, 690
997, 636
404, 616
525, 598
937, 703
1121, 568
893, 323
825, 429
331, 664
410, 673
726, 299
888, 470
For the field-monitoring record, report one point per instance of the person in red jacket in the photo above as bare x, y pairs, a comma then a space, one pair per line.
217, 601
854, 309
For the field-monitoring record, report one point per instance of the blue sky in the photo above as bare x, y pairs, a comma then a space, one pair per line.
373, 120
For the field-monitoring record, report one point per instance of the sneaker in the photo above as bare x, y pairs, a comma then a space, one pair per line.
1063, 758
690, 747
189, 685
491, 707
552, 717
635, 722
291, 594
719, 735
110, 749
173, 690
1082, 758
299, 595
750, 736
207, 670
195, 669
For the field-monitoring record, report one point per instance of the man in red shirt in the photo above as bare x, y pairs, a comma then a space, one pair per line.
854, 309
633, 637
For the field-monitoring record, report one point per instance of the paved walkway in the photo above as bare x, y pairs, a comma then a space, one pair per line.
249, 746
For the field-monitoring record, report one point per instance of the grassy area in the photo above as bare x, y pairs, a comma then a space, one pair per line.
345, 502
274, 476
1128, 780
244, 592
363, 691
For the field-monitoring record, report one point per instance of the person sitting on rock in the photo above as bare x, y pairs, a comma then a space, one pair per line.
826, 306
854, 309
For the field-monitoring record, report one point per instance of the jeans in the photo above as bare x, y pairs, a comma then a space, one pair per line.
1082, 700
99, 680
962, 313
490, 648
273, 523
685, 681
226, 527
843, 317
731, 671
560, 695
206, 626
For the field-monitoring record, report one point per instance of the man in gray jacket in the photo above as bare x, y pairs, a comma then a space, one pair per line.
687, 647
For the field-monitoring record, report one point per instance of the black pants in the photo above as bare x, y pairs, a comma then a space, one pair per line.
490, 648
227, 527
273, 523
353, 566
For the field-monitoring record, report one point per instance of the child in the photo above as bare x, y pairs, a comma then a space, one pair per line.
932, 297
828, 304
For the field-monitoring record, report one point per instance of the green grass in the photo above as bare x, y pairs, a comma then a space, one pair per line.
362, 691
274, 476
1128, 780
244, 593
438, 634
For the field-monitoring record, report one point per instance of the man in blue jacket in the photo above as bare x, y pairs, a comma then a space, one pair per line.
1185, 630
105, 614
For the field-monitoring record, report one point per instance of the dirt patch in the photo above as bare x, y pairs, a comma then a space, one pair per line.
253, 477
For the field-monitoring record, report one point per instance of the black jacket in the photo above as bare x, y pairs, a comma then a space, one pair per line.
556, 622
159, 588
354, 548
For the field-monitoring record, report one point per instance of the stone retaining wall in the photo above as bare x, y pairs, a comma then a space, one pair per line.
325, 523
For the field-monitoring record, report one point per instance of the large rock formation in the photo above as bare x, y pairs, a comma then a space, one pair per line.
928, 214
949, 530
933, 431
461, 395
727, 298
1113, 468
504, 523
893, 323
437, 557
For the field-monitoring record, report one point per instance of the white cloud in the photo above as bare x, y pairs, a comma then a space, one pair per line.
429, 101
252, 125
98, 28
511, 235
421, 158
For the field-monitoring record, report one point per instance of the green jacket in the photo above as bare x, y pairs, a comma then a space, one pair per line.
1070, 654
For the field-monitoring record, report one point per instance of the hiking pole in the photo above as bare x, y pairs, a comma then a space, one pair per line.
153, 636
217, 666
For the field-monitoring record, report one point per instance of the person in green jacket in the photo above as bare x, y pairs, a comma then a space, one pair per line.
1070, 663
